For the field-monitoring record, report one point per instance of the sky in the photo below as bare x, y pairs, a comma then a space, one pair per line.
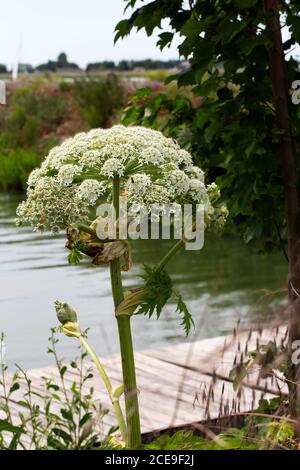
81, 28
34, 31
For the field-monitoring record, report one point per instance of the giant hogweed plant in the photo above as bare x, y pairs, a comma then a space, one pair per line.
100, 166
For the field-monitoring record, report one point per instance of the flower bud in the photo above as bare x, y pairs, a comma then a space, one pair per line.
65, 313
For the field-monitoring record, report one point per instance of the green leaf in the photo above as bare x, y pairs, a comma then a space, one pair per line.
165, 39
67, 414
187, 320
54, 443
63, 435
85, 419
244, 4
123, 28
6, 426
76, 255
158, 288
14, 387
238, 373
141, 93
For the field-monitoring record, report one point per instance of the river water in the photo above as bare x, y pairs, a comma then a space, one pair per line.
221, 283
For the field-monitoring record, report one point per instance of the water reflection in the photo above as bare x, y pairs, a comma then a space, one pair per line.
221, 283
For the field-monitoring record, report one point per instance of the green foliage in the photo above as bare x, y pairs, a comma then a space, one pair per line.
42, 112
229, 125
15, 167
267, 358
99, 99
275, 435
75, 255
59, 417
54, 65
273, 430
29, 124
280, 432
35, 109
158, 287
236, 439
187, 321
182, 440
159, 66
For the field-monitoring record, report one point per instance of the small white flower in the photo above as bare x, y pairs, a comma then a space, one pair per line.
112, 167
157, 194
198, 191
34, 176
152, 156
89, 191
178, 182
66, 174
196, 172
138, 183
213, 192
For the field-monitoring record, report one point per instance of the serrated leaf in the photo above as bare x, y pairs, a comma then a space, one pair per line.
187, 320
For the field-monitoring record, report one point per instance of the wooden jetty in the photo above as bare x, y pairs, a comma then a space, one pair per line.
181, 384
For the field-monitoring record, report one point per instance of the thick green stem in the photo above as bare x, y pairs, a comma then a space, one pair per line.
109, 388
126, 346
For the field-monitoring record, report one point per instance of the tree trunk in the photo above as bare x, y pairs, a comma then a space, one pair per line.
289, 175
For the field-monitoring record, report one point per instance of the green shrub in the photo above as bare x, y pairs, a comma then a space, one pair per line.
57, 417
35, 109
99, 99
41, 112
15, 166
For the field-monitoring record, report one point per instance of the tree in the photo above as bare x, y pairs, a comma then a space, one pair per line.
105, 65
49, 66
244, 132
61, 63
124, 65
62, 60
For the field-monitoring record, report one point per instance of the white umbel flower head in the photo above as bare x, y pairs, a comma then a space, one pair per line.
153, 169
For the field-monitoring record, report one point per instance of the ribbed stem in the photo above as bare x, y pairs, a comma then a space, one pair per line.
126, 346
